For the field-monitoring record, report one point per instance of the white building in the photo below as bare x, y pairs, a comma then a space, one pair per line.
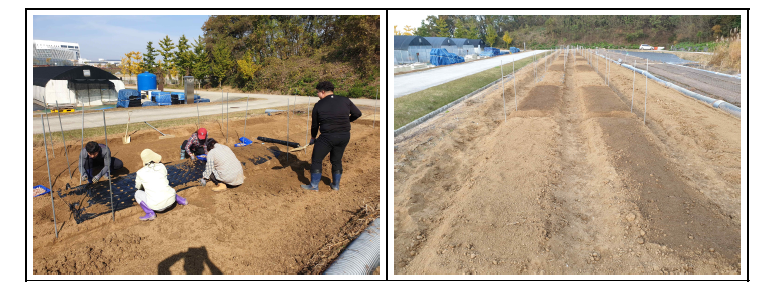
55, 53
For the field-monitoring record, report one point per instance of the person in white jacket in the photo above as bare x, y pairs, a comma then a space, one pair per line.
157, 194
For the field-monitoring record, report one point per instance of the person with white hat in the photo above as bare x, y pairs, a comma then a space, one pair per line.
157, 194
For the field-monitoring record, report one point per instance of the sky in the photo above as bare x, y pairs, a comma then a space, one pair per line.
403, 18
110, 37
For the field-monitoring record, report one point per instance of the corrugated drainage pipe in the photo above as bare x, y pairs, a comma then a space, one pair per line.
361, 256
725, 106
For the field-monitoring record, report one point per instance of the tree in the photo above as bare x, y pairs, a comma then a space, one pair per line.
131, 63
507, 38
166, 47
408, 30
201, 62
183, 57
395, 30
717, 31
491, 35
443, 30
248, 66
223, 61
148, 61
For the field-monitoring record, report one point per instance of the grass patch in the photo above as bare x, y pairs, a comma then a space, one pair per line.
418, 104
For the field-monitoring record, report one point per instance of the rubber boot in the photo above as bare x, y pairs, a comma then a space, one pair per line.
150, 214
180, 200
315, 178
182, 156
336, 175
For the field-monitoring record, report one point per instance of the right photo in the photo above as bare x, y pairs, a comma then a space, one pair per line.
542, 144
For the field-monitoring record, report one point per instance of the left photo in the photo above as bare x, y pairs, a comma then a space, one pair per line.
212, 144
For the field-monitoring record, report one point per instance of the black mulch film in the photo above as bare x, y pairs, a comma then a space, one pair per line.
97, 196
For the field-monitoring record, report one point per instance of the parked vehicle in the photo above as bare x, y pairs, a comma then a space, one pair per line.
645, 47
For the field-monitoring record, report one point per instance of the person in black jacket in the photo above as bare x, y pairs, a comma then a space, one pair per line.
332, 114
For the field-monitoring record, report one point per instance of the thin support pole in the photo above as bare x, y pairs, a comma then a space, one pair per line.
109, 170
502, 80
609, 72
633, 89
287, 131
513, 71
222, 116
377, 100
48, 120
197, 108
228, 117
55, 226
307, 127
247, 116
66, 152
82, 132
645, 92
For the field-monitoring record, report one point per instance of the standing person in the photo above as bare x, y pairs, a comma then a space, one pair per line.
222, 167
333, 115
157, 194
196, 145
96, 157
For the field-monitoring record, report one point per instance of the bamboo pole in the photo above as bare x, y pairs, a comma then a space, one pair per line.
55, 225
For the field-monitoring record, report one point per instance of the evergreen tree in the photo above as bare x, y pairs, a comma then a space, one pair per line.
148, 59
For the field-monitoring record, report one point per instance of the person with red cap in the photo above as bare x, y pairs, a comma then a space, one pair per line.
196, 145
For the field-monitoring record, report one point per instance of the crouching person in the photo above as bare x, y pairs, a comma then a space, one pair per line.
96, 161
157, 194
195, 145
222, 167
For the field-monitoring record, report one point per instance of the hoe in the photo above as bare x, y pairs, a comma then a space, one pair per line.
163, 136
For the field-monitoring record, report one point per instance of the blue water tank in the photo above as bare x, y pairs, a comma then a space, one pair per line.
146, 81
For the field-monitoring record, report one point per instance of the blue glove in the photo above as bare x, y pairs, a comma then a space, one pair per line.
312, 141
203, 182
95, 179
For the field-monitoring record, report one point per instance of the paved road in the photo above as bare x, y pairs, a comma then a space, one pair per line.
142, 114
409, 83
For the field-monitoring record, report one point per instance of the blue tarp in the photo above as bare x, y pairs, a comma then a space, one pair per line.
514, 50
486, 54
440, 57
163, 98
122, 103
128, 94
164, 104
203, 100
495, 51
149, 104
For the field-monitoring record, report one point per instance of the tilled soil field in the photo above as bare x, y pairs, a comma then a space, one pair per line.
572, 183
268, 225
